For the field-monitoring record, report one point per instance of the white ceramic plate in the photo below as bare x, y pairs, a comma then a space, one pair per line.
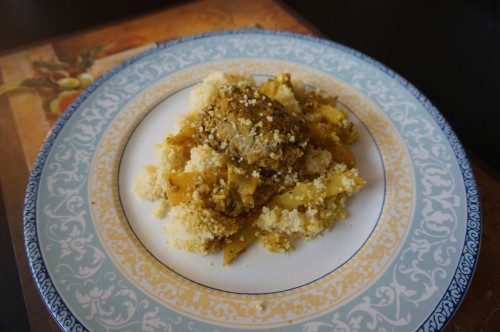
401, 260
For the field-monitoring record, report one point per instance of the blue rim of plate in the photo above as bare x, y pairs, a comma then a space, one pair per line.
450, 299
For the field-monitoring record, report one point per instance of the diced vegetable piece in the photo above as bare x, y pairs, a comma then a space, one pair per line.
341, 153
332, 115
180, 186
243, 183
183, 137
308, 192
238, 242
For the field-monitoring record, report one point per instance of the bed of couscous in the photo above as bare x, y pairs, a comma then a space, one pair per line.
267, 161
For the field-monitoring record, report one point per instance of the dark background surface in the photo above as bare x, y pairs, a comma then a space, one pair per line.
450, 50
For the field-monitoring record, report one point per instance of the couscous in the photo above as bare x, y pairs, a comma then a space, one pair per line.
269, 162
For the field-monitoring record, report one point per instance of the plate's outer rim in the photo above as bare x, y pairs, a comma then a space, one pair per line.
436, 320
469, 255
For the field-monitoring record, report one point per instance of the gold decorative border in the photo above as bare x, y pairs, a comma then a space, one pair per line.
240, 310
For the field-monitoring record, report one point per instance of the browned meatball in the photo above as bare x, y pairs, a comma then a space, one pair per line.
254, 128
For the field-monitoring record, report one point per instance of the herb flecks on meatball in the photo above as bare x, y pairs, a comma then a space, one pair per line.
253, 128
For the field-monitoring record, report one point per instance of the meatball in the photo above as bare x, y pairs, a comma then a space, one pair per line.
252, 127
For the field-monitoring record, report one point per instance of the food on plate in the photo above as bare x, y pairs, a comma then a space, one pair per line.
267, 161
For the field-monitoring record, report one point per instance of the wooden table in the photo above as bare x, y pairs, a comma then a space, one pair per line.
25, 121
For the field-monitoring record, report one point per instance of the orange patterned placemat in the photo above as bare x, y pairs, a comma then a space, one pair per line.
39, 87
